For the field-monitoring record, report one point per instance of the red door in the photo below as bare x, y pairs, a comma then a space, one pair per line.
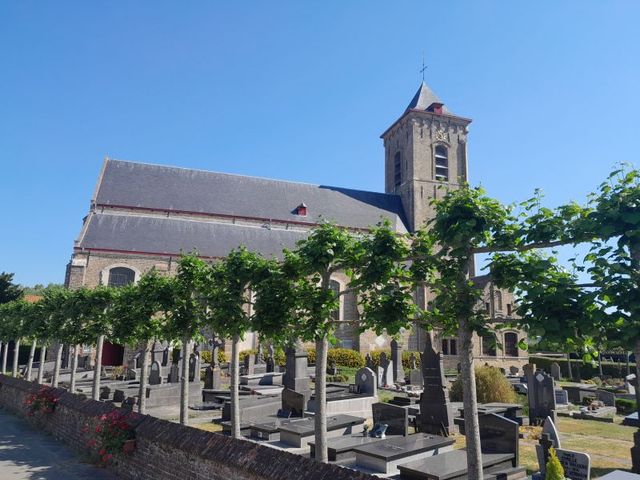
112, 355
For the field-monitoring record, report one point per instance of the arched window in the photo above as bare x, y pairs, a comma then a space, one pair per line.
397, 170
489, 346
442, 163
511, 344
119, 276
335, 286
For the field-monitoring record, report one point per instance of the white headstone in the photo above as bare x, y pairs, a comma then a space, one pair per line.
577, 465
550, 428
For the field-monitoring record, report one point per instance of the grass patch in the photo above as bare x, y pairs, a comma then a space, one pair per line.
209, 427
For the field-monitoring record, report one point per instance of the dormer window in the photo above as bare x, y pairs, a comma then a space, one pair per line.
442, 163
435, 107
301, 210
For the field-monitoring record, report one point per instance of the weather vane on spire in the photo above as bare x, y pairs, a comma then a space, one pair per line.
424, 67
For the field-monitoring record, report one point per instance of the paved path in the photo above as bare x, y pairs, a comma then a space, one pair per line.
27, 453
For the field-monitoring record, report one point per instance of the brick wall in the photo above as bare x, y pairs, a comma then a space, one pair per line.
168, 450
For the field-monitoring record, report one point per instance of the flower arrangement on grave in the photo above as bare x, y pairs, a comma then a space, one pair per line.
44, 400
113, 434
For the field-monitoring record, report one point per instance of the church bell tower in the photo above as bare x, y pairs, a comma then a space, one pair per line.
425, 149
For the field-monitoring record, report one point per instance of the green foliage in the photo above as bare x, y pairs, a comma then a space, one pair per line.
553, 469
625, 406
342, 357
9, 291
338, 378
491, 386
222, 356
406, 358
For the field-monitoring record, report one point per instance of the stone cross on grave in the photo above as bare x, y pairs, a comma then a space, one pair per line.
546, 443
436, 414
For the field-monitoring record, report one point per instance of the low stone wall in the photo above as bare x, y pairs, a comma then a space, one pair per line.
166, 450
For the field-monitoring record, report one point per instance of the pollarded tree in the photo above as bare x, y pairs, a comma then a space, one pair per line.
35, 331
13, 320
327, 250
187, 313
227, 291
55, 307
139, 316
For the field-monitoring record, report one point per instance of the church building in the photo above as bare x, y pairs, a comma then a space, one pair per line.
143, 216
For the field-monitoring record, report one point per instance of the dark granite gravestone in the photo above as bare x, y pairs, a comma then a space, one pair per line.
154, 374
366, 382
368, 361
340, 448
249, 364
499, 435
212, 378
453, 466
513, 370
194, 367
541, 392
165, 357
562, 397
271, 360
555, 371
436, 414
135, 361
396, 360
296, 391
174, 373
397, 418
608, 398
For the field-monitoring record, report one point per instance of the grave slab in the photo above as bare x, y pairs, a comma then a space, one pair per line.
341, 448
385, 456
451, 465
299, 432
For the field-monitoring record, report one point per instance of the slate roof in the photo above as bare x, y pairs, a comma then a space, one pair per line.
172, 236
424, 98
129, 184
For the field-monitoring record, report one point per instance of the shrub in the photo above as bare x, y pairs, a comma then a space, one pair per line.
337, 378
626, 406
554, 470
43, 401
206, 356
491, 386
343, 357
406, 358
112, 435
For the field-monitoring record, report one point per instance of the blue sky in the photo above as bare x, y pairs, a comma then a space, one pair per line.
300, 91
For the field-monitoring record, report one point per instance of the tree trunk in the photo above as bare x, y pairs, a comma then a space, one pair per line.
97, 369
570, 377
32, 354
320, 417
144, 377
471, 424
184, 382
55, 378
600, 362
5, 353
235, 380
636, 351
16, 352
43, 356
628, 363
74, 369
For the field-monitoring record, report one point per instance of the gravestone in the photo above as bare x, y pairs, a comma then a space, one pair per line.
296, 391
157, 351
368, 361
249, 363
154, 374
549, 438
135, 361
385, 371
366, 382
555, 371
212, 378
608, 398
194, 367
271, 362
513, 370
396, 417
333, 368
562, 397
499, 434
630, 383
396, 360
165, 357
436, 414
541, 392
174, 373
577, 465
415, 378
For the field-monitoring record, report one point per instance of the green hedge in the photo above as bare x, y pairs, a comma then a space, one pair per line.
587, 371
343, 357
625, 406
206, 356
406, 358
